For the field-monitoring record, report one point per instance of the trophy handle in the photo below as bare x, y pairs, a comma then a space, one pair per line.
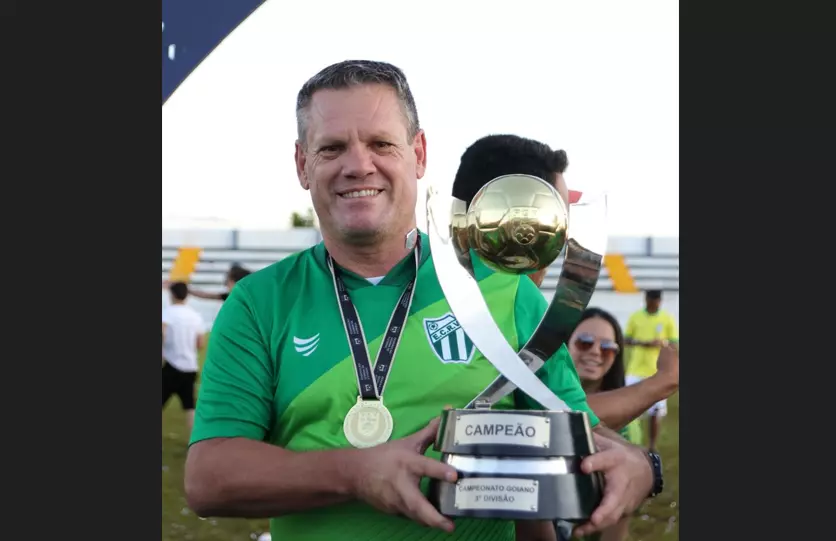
579, 275
458, 234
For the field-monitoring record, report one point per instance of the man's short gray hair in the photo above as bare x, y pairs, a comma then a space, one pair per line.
350, 73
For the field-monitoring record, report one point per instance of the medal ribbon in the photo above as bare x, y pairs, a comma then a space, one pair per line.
371, 388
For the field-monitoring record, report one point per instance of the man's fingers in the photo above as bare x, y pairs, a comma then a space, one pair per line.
421, 440
602, 443
420, 510
584, 530
606, 515
601, 461
427, 467
611, 508
608, 512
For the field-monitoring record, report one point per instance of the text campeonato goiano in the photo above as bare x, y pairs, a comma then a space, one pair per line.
495, 488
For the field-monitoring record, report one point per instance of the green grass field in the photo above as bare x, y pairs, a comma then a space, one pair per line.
656, 520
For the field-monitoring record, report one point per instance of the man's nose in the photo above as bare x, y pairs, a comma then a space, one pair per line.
358, 162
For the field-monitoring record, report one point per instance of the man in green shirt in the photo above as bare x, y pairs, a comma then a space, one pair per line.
326, 372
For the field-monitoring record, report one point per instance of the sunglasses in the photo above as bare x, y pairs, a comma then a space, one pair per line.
584, 342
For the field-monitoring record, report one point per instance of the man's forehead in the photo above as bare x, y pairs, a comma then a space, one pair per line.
369, 108
360, 104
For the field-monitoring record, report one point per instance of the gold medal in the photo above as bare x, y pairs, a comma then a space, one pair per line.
367, 423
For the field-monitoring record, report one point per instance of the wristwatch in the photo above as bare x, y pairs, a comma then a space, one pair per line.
658, 479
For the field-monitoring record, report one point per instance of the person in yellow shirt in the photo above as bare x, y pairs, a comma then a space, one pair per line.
646, 332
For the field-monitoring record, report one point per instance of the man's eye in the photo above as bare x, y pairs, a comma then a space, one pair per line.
330, 148
382, 144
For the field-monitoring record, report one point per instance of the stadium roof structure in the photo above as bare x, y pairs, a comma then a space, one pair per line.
191, 30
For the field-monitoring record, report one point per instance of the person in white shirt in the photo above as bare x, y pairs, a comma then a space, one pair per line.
184, 335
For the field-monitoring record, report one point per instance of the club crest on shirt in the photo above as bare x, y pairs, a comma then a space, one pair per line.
448, 340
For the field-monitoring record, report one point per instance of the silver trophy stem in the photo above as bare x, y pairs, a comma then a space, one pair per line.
578, 277
467, 303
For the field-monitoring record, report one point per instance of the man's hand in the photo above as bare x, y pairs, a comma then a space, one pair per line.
387, 477
628, 480
667, 366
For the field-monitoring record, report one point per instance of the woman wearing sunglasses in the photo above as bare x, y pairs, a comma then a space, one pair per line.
597, 348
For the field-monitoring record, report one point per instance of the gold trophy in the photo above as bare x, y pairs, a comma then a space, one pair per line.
516, 464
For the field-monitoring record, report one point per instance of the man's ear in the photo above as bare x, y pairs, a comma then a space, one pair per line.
419, 146
301, 158
560, 186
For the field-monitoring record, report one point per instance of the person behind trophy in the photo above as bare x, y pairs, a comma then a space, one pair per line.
504, 154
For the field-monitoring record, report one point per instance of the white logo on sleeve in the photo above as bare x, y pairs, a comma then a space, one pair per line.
306, 346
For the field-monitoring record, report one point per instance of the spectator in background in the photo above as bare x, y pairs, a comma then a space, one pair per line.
647, 332
235, 274
597, 349
184, 335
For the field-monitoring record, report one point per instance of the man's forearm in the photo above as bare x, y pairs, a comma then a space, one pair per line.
204, 295
238, 477
617, 408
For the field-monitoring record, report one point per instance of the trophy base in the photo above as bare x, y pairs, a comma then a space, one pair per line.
512, 489
516, 465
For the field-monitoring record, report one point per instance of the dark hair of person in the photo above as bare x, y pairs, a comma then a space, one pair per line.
179, 290
238, 273
497, 155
